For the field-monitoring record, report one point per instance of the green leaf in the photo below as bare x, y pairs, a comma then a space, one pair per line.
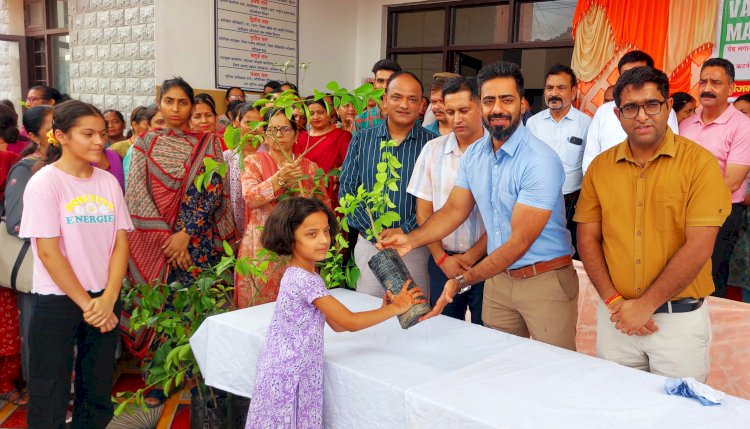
121, 408
393, 186
382, 167
227, 248
332, 86
381, 177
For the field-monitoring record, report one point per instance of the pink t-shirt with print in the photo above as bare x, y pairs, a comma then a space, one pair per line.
85, 213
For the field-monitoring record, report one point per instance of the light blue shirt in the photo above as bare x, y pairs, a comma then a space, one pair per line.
524, 170
558, 136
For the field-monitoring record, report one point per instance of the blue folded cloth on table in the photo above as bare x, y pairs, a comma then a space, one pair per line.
691, 388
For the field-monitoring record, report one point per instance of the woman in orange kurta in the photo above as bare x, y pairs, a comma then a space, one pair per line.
268, 176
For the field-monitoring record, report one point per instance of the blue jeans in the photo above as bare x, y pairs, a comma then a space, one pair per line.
457, 309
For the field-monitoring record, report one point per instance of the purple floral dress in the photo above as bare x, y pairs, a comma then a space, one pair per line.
289, 379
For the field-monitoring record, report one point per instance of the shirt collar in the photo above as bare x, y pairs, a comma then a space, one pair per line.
571, 115
382, 131
511, 145
667, 147
725, 116
451, 145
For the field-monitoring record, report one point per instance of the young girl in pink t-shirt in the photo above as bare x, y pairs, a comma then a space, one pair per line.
77, 220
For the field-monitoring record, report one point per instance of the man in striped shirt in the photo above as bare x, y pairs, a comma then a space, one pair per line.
402, 97
432, 181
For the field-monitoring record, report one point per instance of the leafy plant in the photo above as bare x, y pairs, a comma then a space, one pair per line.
175, 312
376, 202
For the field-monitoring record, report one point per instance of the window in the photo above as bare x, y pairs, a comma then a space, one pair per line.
47, 43
462, 36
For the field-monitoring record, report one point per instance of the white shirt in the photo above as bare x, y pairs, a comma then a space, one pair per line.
606, 131
557, 135
433, 179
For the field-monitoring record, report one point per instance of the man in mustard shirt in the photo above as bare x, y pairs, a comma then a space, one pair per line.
649, 212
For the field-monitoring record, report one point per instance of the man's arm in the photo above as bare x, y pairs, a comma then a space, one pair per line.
440, 224
424, 211
526, 225
681, 269
734, 174
592, 255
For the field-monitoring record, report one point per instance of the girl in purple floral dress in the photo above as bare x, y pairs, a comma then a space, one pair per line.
289, 379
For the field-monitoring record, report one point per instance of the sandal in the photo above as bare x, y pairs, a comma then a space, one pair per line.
16, 397
155, 398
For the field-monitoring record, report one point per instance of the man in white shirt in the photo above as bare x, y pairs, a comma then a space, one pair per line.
605, 130
432, 181
563, 128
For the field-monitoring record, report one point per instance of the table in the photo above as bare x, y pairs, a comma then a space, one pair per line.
445, 373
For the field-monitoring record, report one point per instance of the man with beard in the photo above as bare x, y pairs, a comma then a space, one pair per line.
722, 129
605, 130
442, 124
516, 180
403, 94
563, 128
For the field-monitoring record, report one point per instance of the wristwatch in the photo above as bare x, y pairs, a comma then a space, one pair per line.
465, 287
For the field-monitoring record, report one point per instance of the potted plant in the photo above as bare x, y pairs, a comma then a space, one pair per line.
387, 265
175, 311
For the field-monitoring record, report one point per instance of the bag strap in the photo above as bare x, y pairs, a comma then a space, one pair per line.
19, 262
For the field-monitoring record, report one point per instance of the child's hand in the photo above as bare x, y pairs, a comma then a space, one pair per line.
406, 298
97, 311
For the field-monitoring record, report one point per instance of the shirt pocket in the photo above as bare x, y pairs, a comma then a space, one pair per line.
670, 211
571, 155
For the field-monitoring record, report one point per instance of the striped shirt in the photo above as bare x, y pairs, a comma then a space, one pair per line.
360, 167
433, 179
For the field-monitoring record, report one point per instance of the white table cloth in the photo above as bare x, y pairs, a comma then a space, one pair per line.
446, 373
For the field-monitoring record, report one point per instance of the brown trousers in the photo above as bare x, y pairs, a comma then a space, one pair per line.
544, 307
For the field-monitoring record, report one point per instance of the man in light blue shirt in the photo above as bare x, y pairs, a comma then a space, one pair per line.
563, 128
531, 287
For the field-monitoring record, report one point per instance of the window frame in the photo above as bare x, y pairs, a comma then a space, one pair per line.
447, 49
46, 33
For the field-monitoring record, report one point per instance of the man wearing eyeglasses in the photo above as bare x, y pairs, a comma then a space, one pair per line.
722, 129
403, 95
648, 215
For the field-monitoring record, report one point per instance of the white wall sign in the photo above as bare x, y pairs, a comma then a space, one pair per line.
252, 36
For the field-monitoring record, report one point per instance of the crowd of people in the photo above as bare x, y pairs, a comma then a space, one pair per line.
494, 203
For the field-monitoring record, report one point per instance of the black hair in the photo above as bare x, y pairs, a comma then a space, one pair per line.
395, 75
743, 97
9, 104
320, 102
177, 82
229, 90
458, 84
723, 63
562, 69
270, 113
206, 99
50, 93
64, 118
8, 124
640, 76
635, 57
233, 107
116, 112
150, 112
33, 120
386, 64
501, 69
680, 99
437, 85
244, 108
274, 85
285, 218
294, 87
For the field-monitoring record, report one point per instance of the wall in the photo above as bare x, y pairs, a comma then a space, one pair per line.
112, 50
326, 37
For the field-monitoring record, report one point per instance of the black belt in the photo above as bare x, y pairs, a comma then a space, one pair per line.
684, 305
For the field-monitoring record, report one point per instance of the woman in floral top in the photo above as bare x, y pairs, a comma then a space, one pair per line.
268, 176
